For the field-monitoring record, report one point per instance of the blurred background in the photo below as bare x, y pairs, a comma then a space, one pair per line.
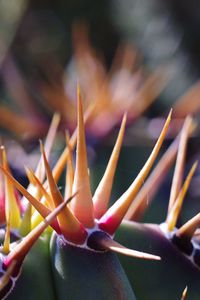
128, 55
41, 42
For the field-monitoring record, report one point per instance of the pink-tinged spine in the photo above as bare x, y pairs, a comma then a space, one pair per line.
21, 250
114, 216
70, 226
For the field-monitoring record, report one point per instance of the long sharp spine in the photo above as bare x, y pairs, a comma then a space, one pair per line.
103, 191
114, 216
82, 204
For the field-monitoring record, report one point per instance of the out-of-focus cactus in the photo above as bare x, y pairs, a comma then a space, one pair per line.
125, 86
76, 258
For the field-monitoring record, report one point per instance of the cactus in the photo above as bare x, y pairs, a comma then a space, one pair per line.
177, 247
76, 256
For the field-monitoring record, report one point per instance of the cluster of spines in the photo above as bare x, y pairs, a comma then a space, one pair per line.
184, 238
71, 221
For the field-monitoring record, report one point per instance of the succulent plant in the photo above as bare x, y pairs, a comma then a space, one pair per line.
177, 247
75, 256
